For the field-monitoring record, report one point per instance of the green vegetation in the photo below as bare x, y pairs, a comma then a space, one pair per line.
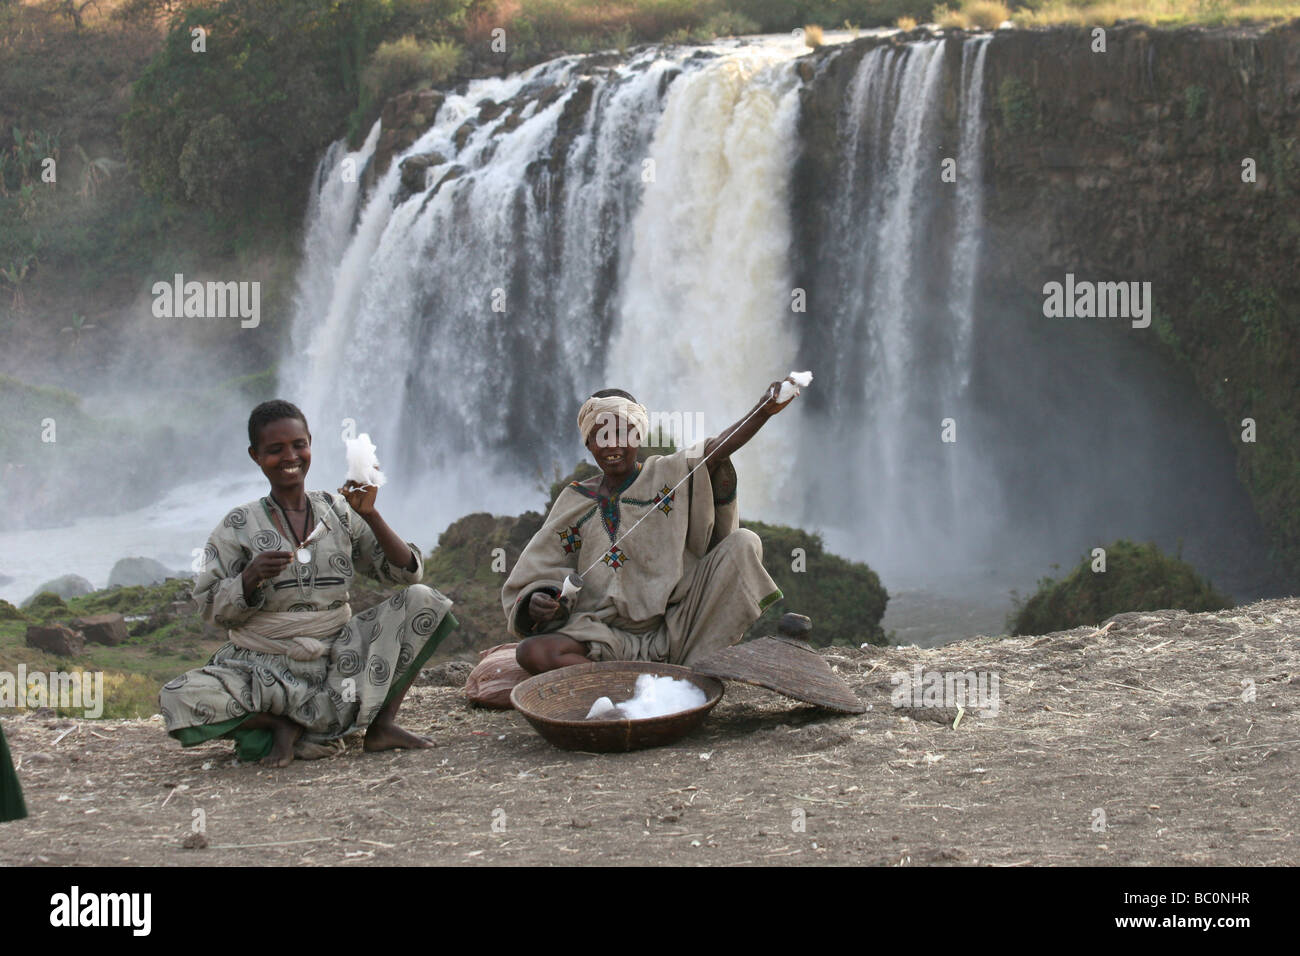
845, 599
134, 670
1138, 577
1193, 101
232, 112
400, 64
1159, 13
1017, 105
1239, 341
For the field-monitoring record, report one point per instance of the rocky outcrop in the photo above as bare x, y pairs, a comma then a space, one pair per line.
134, 572
405, 117
67, 586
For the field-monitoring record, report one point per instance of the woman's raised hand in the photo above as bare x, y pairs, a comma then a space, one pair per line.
770, 406
360, 497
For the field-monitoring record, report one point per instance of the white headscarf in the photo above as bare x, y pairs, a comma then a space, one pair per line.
633, 413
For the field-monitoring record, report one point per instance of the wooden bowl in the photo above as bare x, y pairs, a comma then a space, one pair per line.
556, 704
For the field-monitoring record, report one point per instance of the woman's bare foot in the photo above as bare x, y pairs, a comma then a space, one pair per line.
285, 734
386, 735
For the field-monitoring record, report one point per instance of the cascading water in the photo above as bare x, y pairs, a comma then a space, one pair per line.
904, 248
631, 225
643, 245
647, 223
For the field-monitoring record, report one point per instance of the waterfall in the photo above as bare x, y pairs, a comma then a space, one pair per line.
463, 324
903, 248
645, 223
705, 318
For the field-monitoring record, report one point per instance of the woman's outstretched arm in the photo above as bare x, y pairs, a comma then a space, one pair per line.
734, 438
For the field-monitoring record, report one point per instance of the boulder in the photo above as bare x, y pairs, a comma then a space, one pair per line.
415, 167
489, 110
56, 639
132, 572
461, 136
109, 629
68, 586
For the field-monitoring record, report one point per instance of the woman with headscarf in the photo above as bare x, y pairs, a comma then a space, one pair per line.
667, 574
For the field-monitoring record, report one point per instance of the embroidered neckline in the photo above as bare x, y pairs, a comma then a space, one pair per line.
608, 507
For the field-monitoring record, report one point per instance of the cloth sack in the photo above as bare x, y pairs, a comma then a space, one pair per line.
489, 684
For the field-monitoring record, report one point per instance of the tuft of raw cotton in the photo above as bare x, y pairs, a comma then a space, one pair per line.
603, 709
363, 467
571, 587
655, 696
792, 384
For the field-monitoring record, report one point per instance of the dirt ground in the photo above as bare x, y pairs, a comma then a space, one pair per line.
1136, 743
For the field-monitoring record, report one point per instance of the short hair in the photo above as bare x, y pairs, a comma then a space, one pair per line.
272, 411
610, 392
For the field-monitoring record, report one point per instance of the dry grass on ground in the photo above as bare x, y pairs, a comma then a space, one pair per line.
1144, 720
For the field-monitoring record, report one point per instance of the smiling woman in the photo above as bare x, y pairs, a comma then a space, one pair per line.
667, 574
299, 670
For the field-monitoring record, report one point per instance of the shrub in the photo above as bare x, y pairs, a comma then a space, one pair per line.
1138, 577
729, 24
444, 60
949, 18
1016, 104
45, 604
394, 66
906, 24
812, 35
845, 599
986, 13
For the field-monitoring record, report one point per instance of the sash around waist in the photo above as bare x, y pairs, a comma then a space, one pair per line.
632, 627
299, 634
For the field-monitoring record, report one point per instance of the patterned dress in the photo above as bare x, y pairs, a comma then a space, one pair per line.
668, 574
375, 654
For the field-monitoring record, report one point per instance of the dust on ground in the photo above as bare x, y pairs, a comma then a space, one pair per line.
1161, 738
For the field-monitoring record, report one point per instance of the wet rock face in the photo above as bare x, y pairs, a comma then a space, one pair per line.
1130, 161
1117, 161
405, 117
415, 169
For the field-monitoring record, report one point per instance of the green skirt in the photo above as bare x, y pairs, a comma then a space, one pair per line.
369, 661
11, 795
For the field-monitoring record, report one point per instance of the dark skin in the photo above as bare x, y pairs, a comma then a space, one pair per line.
615, 455
283, 453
